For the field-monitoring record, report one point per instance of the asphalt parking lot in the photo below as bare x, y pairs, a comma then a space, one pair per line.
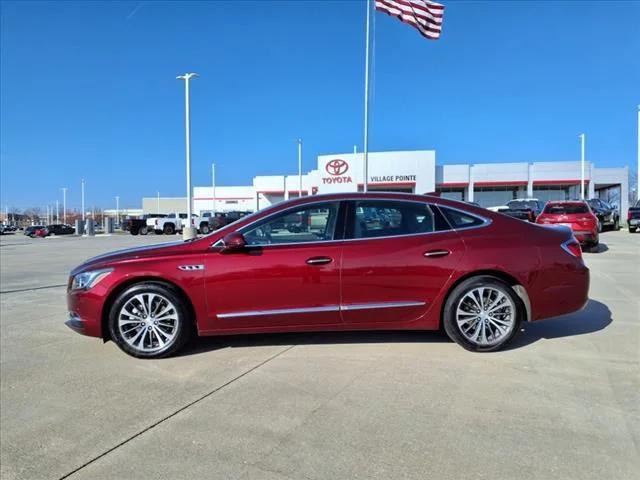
562, 402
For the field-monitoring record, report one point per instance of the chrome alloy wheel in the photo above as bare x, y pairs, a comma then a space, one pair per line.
148, 322
485, 316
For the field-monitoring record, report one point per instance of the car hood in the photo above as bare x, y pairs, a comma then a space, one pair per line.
131, 254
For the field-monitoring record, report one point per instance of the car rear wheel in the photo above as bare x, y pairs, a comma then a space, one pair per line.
482, 314
134, 231
616, 224
144, 231
632, 229
169, 229
149, 320
204, 228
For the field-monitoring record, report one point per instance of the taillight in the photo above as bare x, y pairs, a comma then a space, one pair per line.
530, 215
629, 215
572, 247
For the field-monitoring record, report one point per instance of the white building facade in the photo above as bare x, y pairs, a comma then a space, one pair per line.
489, 184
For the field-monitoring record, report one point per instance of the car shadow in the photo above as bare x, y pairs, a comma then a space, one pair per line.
601, 248
594, 317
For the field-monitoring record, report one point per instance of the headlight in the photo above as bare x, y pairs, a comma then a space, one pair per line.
86, 280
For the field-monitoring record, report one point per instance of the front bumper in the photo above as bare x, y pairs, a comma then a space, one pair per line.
85, 311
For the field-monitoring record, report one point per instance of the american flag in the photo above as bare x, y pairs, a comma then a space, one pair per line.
423, 15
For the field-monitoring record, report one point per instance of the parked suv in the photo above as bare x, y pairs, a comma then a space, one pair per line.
607, 214
633, 217
210, 221
60, 229
576, 215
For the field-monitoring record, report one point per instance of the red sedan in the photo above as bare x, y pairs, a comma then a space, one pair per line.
377, 261
576, 215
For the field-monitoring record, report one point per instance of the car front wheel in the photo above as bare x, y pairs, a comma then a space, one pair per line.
482, 314
149, 320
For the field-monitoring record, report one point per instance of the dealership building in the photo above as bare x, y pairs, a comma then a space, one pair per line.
489, 184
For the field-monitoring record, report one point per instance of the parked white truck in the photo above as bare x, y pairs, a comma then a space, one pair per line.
174, 222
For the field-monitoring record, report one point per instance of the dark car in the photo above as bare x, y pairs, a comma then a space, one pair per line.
213, 221
608, 215
60, 229
633, 217
432, 263
524, 209
30, 231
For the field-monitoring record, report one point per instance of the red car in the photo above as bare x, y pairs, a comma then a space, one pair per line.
574, 214
432, 262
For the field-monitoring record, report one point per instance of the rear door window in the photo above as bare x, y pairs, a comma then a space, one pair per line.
390, 218
458, 219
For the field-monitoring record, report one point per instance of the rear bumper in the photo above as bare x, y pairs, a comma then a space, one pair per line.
586, 236
565, 291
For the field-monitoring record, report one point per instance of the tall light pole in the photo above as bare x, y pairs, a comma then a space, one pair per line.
213, 185
158, 203
299, 168
582, 141
190, 231
638, 171
82, 195
64, 205
57, 211
117, 209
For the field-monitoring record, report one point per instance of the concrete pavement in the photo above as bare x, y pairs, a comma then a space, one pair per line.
562, 402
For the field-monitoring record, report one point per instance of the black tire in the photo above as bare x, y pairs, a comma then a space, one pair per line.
144, 231
632, 229
133, 231
184, 325
457, 295
616, 224
158, 232
599, 226
204, 228
169, 229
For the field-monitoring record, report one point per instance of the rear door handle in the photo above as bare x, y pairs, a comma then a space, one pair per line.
437, 253
319, 260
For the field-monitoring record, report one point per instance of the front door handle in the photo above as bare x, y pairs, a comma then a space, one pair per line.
319, 260
436, 253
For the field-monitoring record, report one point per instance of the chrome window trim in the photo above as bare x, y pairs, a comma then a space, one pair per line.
327, 308
429, 204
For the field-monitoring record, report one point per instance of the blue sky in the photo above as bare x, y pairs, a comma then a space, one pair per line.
88, 89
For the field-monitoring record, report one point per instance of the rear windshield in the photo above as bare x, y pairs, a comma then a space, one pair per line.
521, 205
566, 208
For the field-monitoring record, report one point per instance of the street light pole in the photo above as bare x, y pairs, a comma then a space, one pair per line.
117, 209
57, 211
213, 185
82, 189
582, 141
64, 205
189, 231
638, 171
299, 168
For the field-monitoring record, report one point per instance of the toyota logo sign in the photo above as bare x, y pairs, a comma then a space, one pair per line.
336, 167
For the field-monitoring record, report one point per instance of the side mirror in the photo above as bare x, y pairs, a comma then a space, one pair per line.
233, 242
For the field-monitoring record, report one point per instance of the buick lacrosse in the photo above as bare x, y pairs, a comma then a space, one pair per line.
359, 261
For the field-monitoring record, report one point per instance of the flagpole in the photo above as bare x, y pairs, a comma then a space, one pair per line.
366, 100
582, 166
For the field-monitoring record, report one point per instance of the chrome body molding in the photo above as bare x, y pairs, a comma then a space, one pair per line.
189, 268
327, 308
279, 311
371, 306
